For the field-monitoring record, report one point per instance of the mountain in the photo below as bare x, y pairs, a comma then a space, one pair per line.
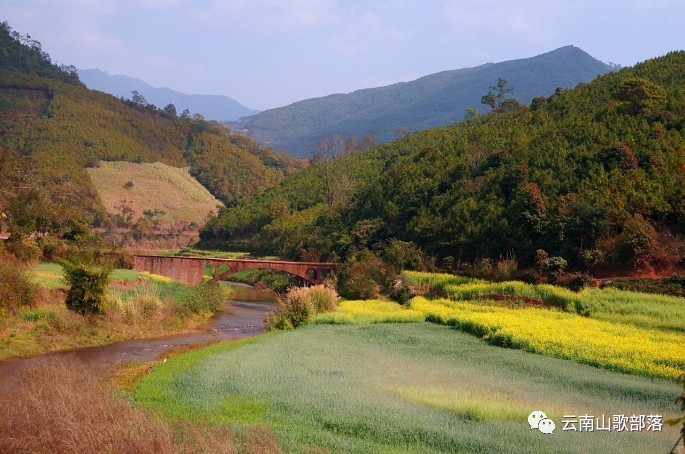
212, 107
53, 129
591, 177
434, 100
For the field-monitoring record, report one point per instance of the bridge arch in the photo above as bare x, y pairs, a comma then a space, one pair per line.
309, 271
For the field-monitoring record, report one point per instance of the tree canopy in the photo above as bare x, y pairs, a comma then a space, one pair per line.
593, 174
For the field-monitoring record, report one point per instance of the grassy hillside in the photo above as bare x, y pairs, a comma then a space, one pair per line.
130, 194
434, 100
592, 175
52, 128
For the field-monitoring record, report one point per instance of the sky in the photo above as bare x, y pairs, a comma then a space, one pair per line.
271, 53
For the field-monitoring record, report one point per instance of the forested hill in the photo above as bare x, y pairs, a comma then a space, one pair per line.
434, 100
52, 127
594, 175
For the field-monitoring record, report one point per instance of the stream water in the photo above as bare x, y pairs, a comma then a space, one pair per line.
243, 316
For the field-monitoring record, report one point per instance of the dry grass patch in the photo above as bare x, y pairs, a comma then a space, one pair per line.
184, 198
62, 406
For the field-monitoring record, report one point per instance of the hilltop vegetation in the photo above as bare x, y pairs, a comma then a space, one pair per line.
590, 177
52, 128
430, 101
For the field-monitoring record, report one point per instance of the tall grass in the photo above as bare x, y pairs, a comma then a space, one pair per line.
61, 406
138, 305
301, 304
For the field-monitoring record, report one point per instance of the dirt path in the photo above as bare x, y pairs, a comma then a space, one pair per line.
238, 319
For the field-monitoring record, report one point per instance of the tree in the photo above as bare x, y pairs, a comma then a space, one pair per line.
87, 286
496, 95
170, 110
138, 99
641, 96
329, 147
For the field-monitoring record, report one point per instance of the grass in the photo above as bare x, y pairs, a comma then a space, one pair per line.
369, 311
599, 343
184, 199
138, 305
646, 310
662, 312
438, 280
58, 405
394, 388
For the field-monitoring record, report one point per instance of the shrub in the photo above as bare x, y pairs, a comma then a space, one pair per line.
23, 248
204, 297
87, 287
301, 304
554, 266
403, 255
638, 241
145, 302
15, 288
360, 277
578, 282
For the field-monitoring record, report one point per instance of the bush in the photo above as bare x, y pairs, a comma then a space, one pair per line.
86, 293
23, 248
207, 297
301, 304
15, 288
554, 266
363, 277
144, 302
578, 282
637, 242
402, 255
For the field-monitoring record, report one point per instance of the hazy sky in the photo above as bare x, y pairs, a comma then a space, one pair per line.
270, 53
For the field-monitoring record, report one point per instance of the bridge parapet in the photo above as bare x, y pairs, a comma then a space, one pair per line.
186, 270
189, 270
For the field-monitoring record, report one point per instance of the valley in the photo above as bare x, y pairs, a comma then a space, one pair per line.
431, 264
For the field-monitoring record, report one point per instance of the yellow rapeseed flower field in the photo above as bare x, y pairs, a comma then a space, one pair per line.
370, 311
613, 346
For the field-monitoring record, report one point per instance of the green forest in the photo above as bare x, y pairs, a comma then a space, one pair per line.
592, 178
52, 128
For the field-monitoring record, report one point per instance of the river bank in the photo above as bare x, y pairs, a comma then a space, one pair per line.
240, 317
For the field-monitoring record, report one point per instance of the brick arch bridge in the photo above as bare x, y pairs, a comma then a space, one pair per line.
189, 270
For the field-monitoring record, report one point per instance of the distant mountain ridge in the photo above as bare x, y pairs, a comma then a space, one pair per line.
212, 107
434, 100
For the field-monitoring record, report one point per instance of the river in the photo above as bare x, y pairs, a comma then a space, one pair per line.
243, 316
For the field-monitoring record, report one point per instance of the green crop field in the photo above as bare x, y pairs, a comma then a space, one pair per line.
414, 387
